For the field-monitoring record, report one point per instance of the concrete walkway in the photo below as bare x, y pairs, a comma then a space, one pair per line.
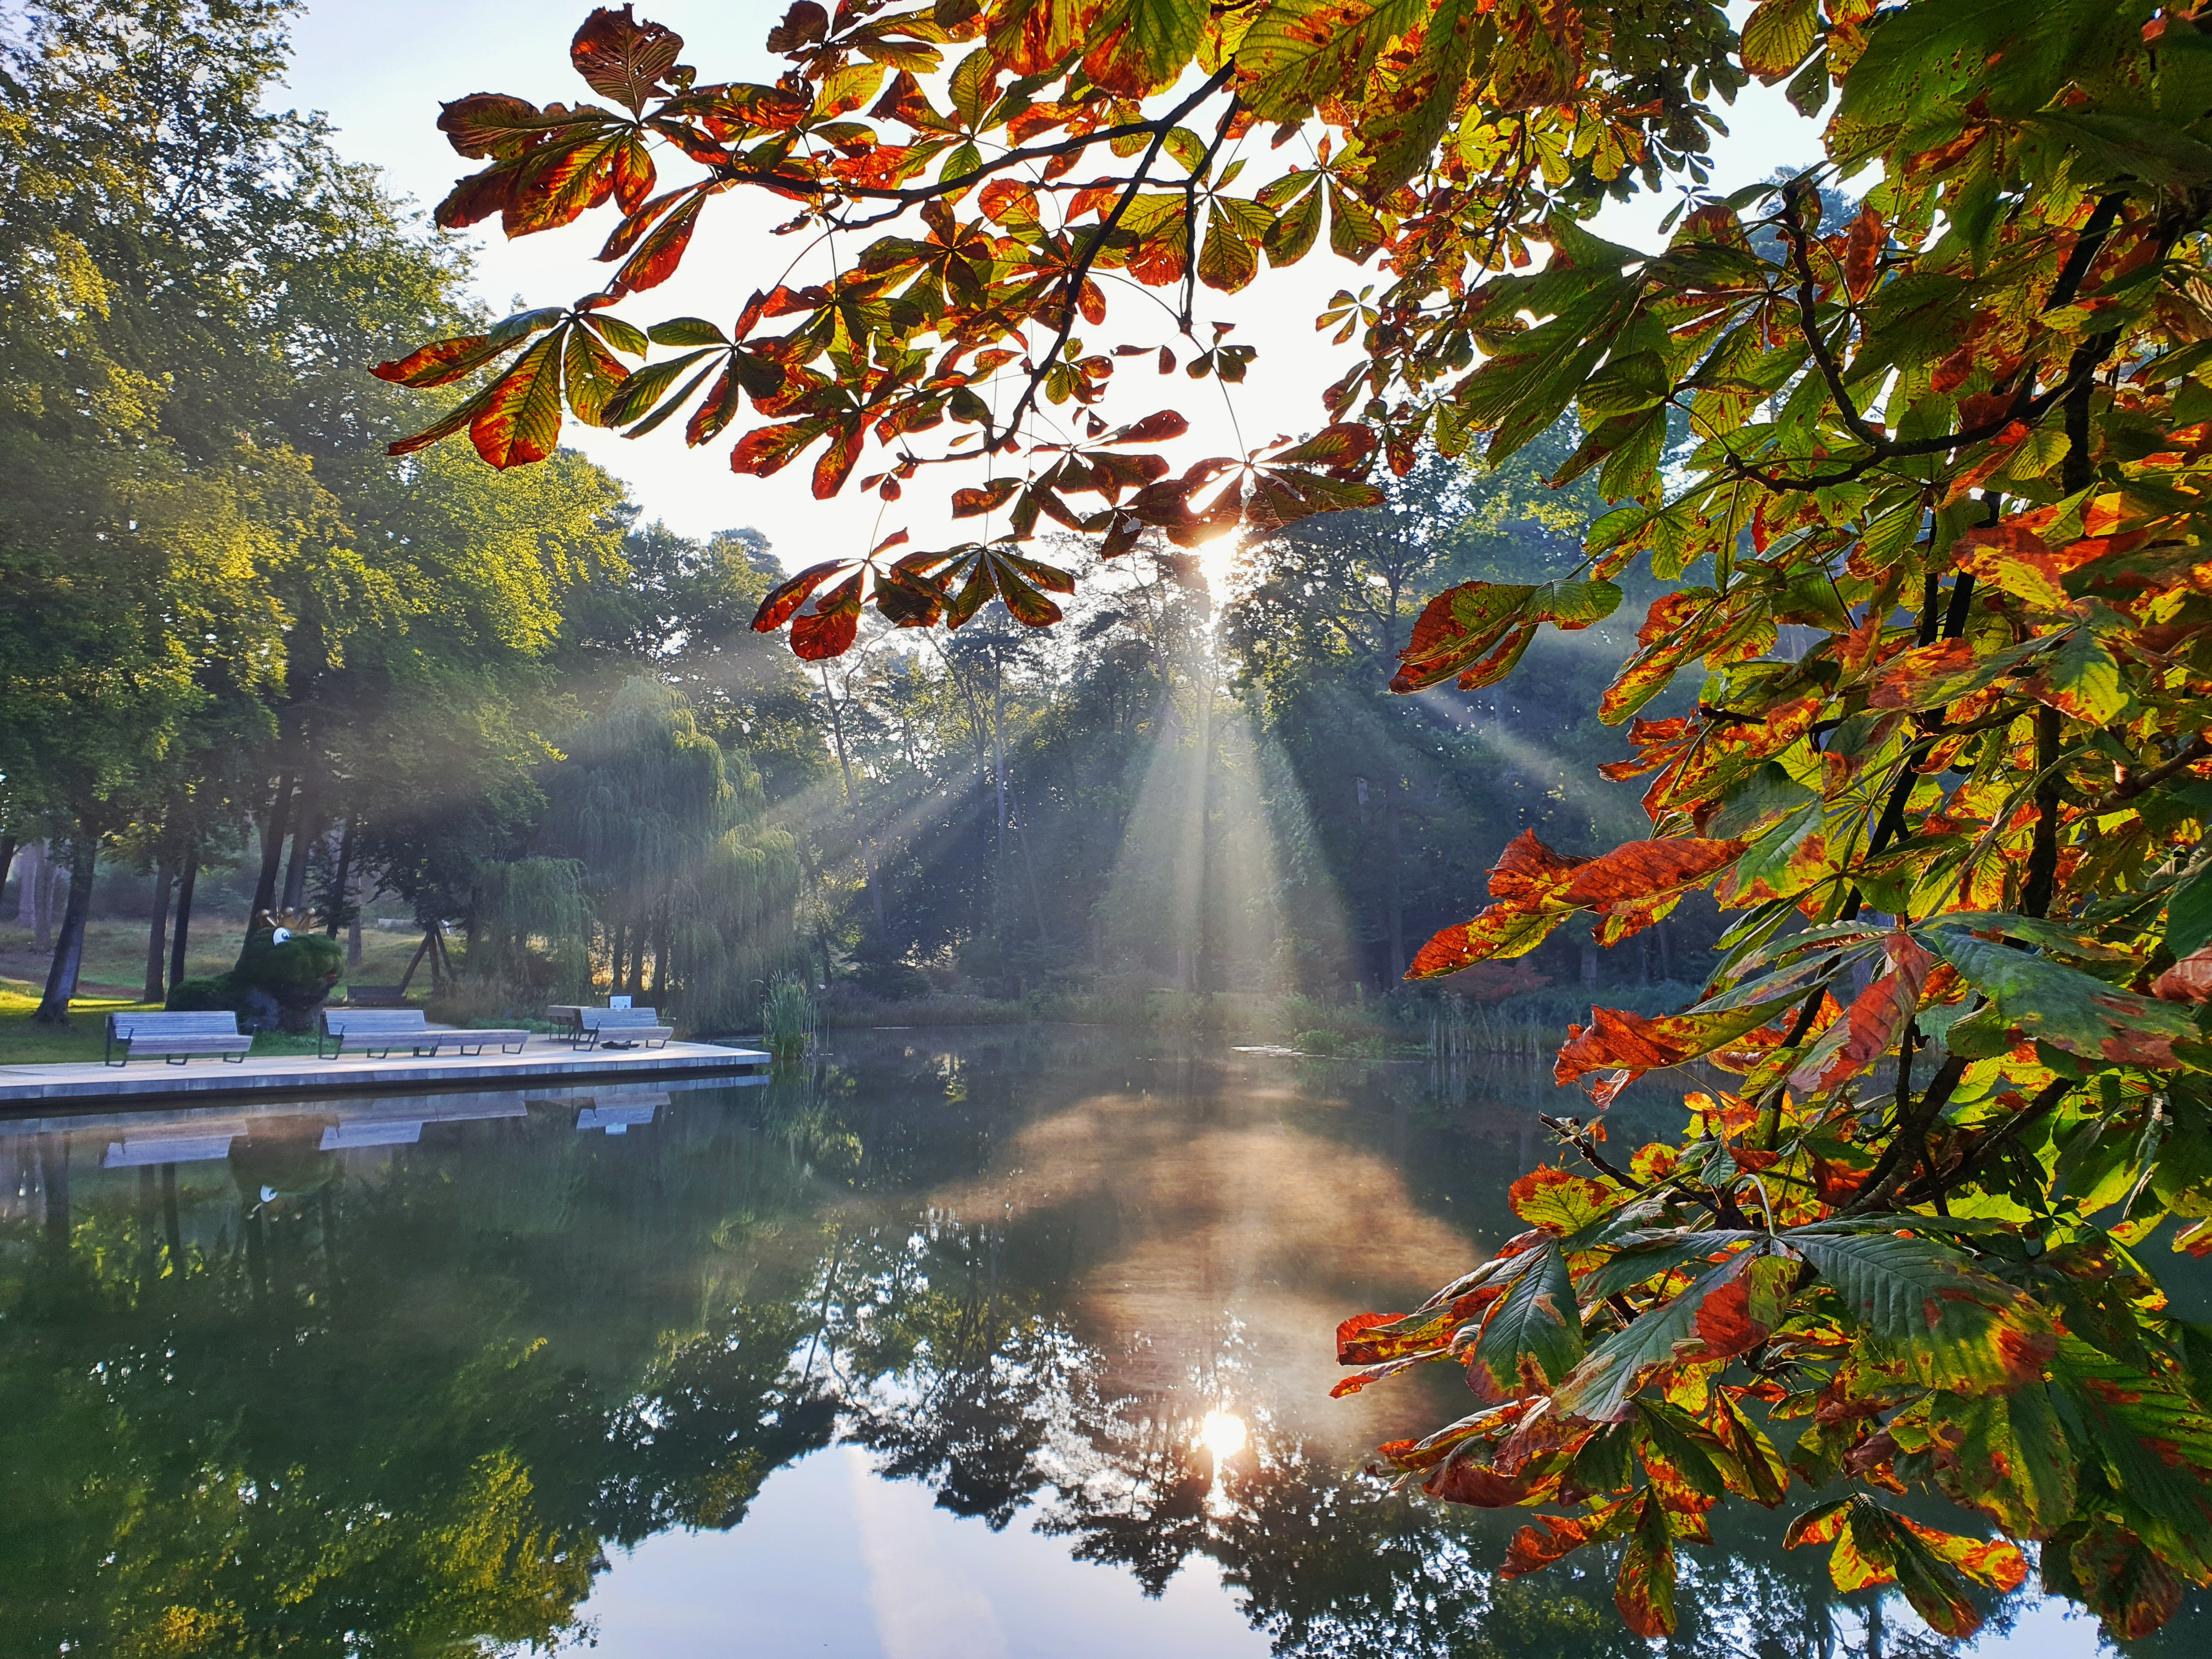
90, 1085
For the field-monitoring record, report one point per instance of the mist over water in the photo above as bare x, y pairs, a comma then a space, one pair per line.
991, 1342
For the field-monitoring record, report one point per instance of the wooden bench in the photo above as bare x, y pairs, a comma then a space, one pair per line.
621, 1027
176, 1037
377, 1032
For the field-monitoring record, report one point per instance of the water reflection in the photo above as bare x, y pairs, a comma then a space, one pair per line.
503, 1370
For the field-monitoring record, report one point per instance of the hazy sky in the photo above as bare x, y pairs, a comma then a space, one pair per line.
380, 68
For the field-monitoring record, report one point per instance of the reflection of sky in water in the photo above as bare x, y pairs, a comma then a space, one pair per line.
832, 1561
959, 1347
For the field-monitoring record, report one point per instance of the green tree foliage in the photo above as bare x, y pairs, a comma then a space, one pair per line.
679, 865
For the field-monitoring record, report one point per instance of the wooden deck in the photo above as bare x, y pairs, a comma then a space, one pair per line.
89, 1087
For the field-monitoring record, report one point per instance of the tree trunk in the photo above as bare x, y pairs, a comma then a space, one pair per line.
53, 1187
999, 777
617, 938
68, 948
171, 1233
185, 885
305, 829
50, 878
853, 806
273, 825
7, 857
341, 905
26, 895
660, 960
1399, 959
157, 931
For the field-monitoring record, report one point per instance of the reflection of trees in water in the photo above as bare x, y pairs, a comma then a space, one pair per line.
406, 1401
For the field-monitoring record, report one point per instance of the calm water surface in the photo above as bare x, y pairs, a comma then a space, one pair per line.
963, 1344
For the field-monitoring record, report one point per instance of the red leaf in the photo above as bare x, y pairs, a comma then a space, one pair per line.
830, 630
1344, 449
520, 420
979, 498
1553, 1536
493, 124
802, 26
787, 596
1862, 249
1616, 1037
660, 252
1154, 428
622, 59
837, 461
767, 450
439, 363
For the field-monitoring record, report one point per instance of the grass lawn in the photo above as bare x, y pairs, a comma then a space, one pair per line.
22, 1043
115, 953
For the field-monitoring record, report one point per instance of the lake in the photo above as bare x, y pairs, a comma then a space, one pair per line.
1003, 1342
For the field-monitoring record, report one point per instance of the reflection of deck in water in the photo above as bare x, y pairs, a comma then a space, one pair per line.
91, 1085
35, 1152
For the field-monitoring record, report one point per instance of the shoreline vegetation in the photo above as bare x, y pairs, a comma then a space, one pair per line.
1527, 1027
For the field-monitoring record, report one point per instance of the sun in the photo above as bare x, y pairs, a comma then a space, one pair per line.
1222, 1433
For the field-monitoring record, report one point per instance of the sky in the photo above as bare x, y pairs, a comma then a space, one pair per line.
380, 69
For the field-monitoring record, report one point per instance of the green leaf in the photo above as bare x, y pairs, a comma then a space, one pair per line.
1645, 1592
2007, 1458
1645, 1257
2116, 147
1714, 1317
1137, 46
1930, 1316
2189, 915
520, 421
686, 332
1534, 1335
2081, 679
1777, 36
1299, 51
2061, 1006
2155, 1442
1403, 125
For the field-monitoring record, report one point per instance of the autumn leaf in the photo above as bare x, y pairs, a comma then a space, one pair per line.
622, 59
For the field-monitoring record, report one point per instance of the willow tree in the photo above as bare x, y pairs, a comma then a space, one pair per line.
681, 871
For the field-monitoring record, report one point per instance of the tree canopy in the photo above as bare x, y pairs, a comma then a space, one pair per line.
1953, 1077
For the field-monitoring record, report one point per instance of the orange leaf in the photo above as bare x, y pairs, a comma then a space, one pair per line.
520, 420
1640, 1042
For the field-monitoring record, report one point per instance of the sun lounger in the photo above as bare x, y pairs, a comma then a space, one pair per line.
176, 1037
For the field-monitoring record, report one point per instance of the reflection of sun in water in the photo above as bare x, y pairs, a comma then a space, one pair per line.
1222, 1433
